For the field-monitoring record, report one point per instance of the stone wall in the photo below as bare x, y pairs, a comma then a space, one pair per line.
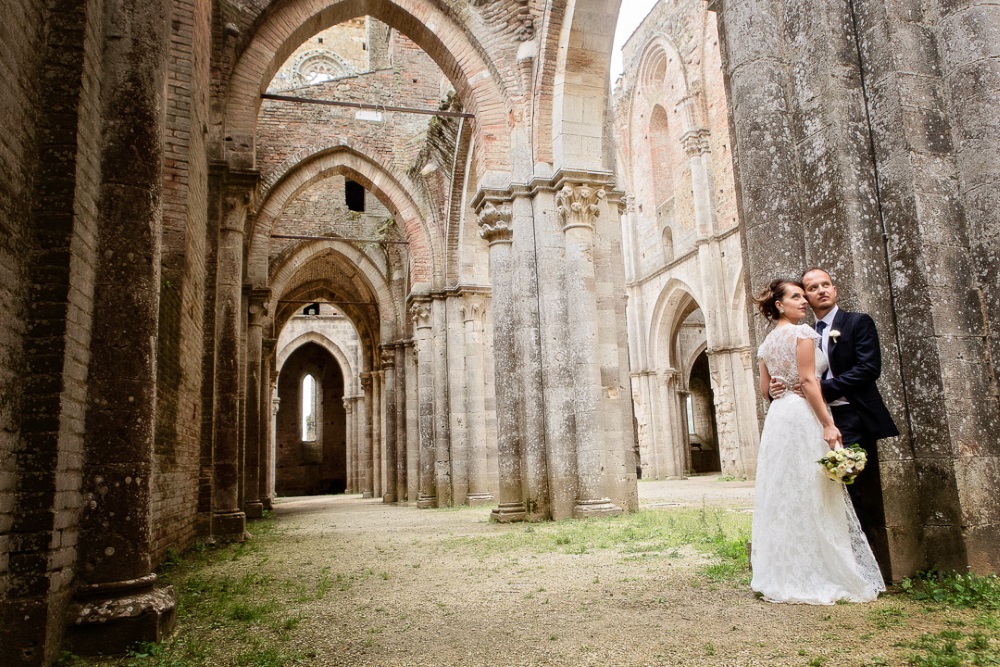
681, 239
849, 145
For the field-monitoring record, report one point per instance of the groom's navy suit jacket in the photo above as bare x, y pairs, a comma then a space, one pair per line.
856, 362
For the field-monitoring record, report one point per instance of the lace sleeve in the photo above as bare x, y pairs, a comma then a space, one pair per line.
806, 331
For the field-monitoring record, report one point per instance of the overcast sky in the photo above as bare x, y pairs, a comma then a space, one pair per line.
632, 14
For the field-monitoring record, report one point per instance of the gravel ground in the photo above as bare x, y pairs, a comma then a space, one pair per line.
415, 587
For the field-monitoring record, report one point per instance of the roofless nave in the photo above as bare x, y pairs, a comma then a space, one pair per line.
172, 207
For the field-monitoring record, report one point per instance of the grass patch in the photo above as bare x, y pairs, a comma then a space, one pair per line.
251, 610
968, 590
717, 533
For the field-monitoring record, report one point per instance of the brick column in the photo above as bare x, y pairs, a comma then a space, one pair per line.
420, 314
115, 601
228, 519
254, 441
579, 206
365, 477
404, 383
388, 352
495, 226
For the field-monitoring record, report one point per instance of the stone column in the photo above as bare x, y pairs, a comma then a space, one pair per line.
442, 424
228, 519
473, 314
376, 422
115, 601
458, 409
252, 504
349, 444
650, 417
412, 422
420, 314
390, 490
401, 438
579, 207
533, 405
266, 481
673, 436
272, 455
495, 227
365, 456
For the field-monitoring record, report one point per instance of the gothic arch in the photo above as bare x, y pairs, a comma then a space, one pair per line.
391, 320
350, 373
424, 248
672, 306
286, 25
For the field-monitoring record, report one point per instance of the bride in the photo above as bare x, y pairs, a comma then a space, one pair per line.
808, 547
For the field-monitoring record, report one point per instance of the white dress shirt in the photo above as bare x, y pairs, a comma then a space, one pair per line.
825, 346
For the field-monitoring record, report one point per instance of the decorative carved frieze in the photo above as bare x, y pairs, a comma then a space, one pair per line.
579, 205
495, 223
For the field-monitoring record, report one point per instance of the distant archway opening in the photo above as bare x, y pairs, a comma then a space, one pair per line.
311, 425
702, 429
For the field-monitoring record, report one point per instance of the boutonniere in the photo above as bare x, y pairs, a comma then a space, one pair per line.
834, 335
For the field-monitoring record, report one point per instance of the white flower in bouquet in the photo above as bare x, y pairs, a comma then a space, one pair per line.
844, 464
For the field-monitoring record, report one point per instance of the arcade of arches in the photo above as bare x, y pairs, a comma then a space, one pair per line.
419, 250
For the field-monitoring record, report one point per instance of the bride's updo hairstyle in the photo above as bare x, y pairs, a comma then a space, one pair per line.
767, 299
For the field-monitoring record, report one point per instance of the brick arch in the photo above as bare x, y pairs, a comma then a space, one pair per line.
424, 251
285, 25
580, 87
390, 317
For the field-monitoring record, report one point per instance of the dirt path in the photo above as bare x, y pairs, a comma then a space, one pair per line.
406, 587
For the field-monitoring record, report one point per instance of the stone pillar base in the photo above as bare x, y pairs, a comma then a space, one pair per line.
366, 495
268, 504
255, 510
599, 507
111, 618
389, 498
509, 513
426, 502
480, 499
229, 526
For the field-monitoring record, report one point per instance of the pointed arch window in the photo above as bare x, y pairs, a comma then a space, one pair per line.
309, 402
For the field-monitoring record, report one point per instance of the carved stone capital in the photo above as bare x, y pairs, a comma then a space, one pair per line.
495, 223
366, 381
388, 356
420, 314
579, 205
697, 142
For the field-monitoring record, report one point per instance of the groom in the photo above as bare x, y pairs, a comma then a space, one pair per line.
851, 344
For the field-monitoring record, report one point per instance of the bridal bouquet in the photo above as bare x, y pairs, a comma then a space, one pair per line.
843, 465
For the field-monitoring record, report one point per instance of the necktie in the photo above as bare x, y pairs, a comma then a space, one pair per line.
820, 326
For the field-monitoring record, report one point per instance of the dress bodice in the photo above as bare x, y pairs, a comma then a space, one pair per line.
779, 354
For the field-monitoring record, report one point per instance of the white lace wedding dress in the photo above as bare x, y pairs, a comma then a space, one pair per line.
808, 547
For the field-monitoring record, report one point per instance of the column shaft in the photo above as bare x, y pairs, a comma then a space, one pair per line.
495, 227
115, 602
391, 446
365, 471
420, 313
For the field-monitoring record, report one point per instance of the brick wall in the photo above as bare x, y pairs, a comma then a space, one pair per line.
182, 290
